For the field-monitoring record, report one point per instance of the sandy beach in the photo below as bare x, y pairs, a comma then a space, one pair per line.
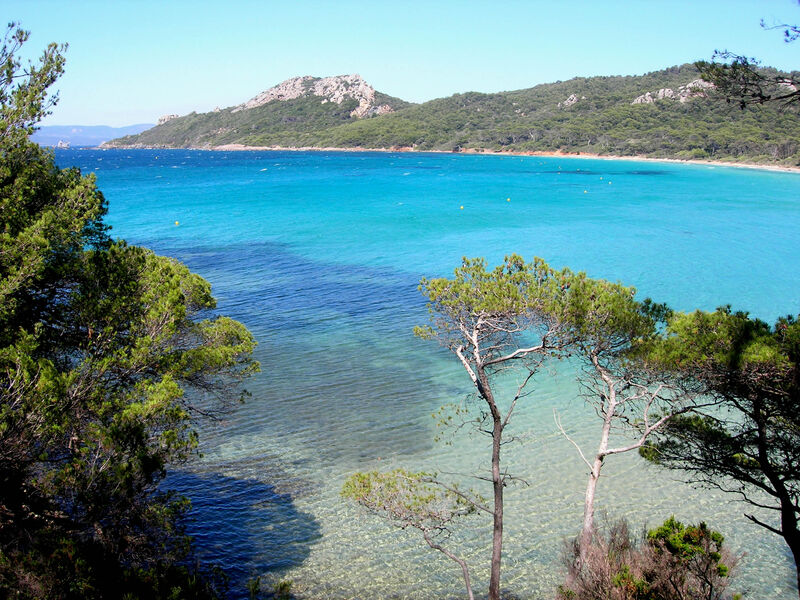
582, 155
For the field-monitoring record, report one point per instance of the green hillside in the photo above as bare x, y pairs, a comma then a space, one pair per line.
602, 120
294, 122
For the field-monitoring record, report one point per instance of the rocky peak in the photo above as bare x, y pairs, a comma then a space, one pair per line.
165, 118
684, 93
330, 89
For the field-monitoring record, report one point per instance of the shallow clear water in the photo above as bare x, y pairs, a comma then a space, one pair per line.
319, 254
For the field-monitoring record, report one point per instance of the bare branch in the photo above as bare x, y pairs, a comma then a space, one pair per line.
764, 525
557, 419
516, 354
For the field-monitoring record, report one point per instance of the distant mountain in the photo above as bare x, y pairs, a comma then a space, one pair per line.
669, 113
83, 135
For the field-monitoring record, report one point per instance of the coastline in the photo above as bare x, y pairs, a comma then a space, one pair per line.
549, 154
482, 151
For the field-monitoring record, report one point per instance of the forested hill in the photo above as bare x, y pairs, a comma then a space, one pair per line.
669, 113
291, 113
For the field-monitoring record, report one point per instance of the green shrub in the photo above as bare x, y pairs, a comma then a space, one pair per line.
672, 562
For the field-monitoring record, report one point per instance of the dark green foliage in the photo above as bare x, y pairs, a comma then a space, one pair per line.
752, 448
105, 361
671, 562
686, 543
602, 121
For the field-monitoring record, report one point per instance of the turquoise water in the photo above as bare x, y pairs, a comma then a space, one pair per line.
319, 254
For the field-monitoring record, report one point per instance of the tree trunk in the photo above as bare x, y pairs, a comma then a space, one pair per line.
796, 554
791, 534
465, 573
497, 483
448, 554
497, 534
789, 529
587, 532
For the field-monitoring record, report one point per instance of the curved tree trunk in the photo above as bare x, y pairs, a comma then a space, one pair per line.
462, 563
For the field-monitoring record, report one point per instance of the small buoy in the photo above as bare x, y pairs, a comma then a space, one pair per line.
585, 192
508, 199
177, 223
609, 183
462, 208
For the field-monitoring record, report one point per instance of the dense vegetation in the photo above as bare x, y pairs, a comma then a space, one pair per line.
602, 121
108, 353
292, 123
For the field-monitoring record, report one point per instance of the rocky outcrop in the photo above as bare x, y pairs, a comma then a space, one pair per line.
684, 93
286, 90
370, 111
573, 99
165, 118
335, 89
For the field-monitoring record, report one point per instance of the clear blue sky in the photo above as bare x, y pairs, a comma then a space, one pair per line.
130, 61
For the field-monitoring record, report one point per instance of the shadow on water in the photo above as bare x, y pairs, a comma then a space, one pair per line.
585, 172
250, 276
332, 345
647, 172
567, 172
244, 526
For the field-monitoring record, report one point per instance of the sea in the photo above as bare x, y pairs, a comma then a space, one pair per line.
320, 255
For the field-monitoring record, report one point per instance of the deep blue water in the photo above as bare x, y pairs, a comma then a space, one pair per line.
319, 254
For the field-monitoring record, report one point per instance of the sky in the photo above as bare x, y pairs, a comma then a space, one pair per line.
132, 61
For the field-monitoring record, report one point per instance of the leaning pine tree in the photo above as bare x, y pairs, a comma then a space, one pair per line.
493, 321
750, 448
500, 321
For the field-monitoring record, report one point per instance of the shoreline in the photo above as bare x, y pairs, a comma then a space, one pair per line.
480, 151
549, 154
